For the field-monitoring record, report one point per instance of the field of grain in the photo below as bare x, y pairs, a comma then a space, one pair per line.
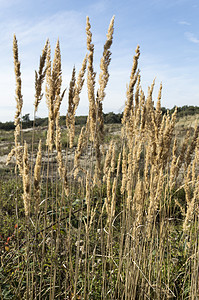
95, 211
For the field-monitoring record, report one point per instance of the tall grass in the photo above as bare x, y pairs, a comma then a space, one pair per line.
98, 220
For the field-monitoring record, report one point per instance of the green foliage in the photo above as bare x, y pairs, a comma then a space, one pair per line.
186, 111
112, 118
109, 118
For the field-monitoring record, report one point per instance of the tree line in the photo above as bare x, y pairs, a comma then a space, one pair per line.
109, 118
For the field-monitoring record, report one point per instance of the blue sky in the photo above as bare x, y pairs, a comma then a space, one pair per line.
166, 30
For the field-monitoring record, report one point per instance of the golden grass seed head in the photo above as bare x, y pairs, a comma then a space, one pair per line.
18, 95
48, 78
173, 165
113, 158
124, 170
80, 82
158, 112
80, 146
108, 158
56, 70
37, 168
91, 120
191, 209
192, 146
40, 76
90, 46
10, 155
113, 200
71, 94
105, 61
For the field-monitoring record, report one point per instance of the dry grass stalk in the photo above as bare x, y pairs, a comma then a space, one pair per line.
147, 167
37, 177
156, 188
180, 206
105, 61
70, 118
168, 136
124, 170
158, 112
98, 171
18, 95
19, 158
49, 101
163, 137
61, 167
192, 146
191, 209
172, 178
113, 159
73, 100
103, 77
82, 142
10, 155
129, 184
137, 94
114, 188
19, 103
95, 118
143, 111
95, 106
91, 121
108, 196
195, 162
188, 186
181, 156
40, 76
48, 89
138, 147
26, 181
138, 204
53, 90
88, 188
159, 139
108, 160
133, 79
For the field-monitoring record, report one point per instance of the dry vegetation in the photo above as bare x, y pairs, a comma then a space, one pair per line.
99, 213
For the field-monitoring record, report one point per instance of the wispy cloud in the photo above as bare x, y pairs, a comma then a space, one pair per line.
10, 3
67, 24
184, 23
191, 37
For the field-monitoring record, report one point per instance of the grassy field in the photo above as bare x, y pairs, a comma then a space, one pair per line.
98, 212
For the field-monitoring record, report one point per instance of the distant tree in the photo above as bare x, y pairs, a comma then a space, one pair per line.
26, 118
80, 120
164, 110
112, 118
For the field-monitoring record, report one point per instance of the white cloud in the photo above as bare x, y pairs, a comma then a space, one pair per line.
68, 24
184, 23
191, 37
